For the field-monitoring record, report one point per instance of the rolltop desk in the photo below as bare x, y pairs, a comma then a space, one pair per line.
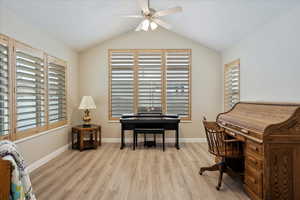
271, 136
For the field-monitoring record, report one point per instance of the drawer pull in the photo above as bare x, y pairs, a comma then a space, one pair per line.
253, 180
253, 161
245, 131
254, 148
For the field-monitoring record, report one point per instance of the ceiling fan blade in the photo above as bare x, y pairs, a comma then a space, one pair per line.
168, 11
133, 16
162, 23
139, 27
144, 6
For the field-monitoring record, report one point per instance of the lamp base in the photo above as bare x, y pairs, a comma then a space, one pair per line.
86, 118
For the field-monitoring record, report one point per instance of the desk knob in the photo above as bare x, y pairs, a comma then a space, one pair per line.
245, 131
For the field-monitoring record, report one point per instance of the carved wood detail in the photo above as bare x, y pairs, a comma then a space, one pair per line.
281, 173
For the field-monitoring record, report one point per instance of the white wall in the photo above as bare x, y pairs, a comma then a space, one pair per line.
270, 61
206, 77
13, 26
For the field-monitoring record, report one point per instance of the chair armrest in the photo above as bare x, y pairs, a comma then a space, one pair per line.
231, 140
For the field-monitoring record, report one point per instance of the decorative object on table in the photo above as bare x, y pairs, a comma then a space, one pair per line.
86, 104
79, 132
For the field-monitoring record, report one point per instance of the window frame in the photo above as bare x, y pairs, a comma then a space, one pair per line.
163, 78
64, 64
226, 68
7, 41
38, 129
13, 133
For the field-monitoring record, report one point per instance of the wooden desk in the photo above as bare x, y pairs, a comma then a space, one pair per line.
271, 136
79, 132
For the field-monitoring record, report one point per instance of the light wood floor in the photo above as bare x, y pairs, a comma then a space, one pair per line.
113, 174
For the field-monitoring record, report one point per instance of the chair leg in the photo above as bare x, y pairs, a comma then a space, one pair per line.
222, 170
136, 140
163, 141
134, 133
221, 167
214, 167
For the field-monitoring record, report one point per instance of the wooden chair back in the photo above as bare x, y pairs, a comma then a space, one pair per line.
215, 137
219, 143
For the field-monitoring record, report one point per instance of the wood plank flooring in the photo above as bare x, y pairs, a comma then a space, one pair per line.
144, 174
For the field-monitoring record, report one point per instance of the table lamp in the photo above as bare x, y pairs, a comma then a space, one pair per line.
87, 103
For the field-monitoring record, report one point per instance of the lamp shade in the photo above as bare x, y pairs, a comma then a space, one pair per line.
87, 102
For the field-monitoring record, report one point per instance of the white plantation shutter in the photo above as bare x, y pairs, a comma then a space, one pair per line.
178, 82
30, 88
57, 97
121, 83
149, 82
4, 88
231, 84
33, 94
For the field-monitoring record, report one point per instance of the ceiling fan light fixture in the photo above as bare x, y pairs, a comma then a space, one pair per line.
153, 26
151, 17
145, 24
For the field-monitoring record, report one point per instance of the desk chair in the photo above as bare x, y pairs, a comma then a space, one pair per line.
220, 146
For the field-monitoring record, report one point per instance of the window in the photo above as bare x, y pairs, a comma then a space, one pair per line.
153, 80
32, 90
57, 102
178, 83
150, 82
122, 83
4, 88
231, 84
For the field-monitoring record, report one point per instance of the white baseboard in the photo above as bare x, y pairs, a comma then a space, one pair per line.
57, 152
47, 158
168, 140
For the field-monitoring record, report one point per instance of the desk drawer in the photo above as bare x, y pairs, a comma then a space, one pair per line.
253, 162
254, 181
254, 148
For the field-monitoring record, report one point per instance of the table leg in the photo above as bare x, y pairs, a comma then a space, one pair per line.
122, 139
134, 140
72, 136
91, 136
81, 140
177, 138
164, 141
100, 137
96, 139
78, 139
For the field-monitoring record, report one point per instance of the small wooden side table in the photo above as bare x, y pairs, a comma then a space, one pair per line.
78, 132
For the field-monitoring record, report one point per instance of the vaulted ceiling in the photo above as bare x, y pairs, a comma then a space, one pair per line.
217, 24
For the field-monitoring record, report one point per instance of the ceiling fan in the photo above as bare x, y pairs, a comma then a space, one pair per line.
151, 16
